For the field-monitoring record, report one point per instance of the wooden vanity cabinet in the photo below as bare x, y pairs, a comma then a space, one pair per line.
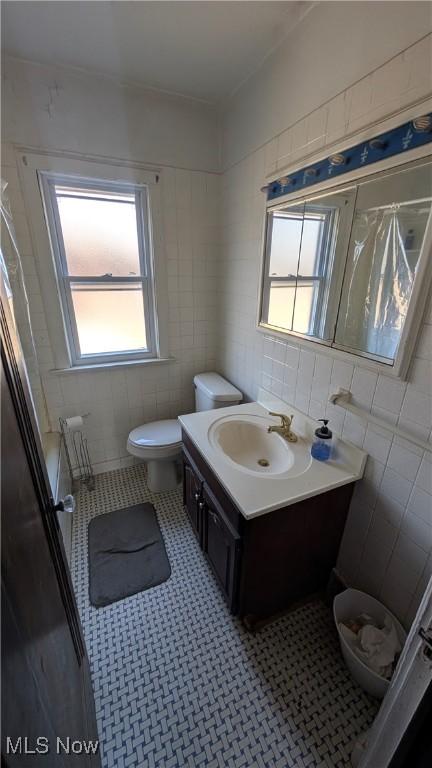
217, 536
221, 545
265, 564
192, 496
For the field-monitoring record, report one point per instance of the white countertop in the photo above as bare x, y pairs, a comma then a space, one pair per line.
257, 494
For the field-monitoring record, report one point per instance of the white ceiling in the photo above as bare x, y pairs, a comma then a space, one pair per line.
200, 49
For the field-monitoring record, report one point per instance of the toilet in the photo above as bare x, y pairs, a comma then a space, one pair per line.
159, 443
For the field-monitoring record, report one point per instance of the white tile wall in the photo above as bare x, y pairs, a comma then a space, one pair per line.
387, 545
402, 81
213, 268
120, 400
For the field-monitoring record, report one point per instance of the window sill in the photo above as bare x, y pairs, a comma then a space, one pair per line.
112, 366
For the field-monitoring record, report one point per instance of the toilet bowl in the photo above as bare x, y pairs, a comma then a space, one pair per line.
159, 443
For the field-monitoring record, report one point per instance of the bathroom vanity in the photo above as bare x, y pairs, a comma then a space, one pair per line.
271, 535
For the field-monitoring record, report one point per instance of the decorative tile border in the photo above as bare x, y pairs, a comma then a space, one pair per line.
415, 133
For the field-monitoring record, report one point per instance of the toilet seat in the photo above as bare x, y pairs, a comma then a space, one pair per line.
158, 440
159, 443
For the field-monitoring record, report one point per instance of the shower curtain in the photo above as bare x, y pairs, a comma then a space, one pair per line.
379, 278
10, 264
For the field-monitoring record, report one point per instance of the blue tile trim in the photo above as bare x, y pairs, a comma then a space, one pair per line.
387, 144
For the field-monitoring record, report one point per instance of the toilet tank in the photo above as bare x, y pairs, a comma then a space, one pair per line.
213, 391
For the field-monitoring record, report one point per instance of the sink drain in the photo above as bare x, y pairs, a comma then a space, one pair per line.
263, 463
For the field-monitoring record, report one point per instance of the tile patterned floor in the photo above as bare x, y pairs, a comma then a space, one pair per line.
179, 682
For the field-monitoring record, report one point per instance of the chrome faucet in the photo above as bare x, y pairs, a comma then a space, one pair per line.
285, 428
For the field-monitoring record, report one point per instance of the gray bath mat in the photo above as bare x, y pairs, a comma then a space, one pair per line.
126, 554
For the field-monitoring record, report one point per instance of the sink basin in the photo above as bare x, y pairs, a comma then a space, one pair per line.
245, 441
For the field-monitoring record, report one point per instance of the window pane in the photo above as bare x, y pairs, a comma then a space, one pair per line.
283, 248
305, 306
311, 245
99, 232
281, 304
312, 262
109, 319
284, 241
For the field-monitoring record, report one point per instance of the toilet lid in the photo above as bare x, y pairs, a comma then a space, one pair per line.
157, 433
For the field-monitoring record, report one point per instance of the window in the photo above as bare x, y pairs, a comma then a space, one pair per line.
101, 244
300, 254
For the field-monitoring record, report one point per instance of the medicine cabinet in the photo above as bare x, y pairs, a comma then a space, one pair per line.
347, 267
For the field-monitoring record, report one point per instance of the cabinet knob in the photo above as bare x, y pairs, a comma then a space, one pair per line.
197, 496
215, 519
201, 505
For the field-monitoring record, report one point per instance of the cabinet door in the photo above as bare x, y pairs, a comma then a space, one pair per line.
192, 496
221, 544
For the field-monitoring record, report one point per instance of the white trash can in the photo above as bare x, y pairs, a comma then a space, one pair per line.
348, 605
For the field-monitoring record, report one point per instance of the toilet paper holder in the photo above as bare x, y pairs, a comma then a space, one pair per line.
76, 451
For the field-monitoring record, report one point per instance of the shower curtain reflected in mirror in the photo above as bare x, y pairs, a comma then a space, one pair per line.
383, 255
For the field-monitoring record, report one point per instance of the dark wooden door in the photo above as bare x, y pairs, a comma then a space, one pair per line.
46, 686
221, 544
192, 496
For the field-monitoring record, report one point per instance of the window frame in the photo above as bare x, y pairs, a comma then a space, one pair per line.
336, 238
325, 253
29, 162
48, 181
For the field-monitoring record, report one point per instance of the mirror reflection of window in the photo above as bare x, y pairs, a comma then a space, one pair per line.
387, 234
284, 236
302, 252
315, 262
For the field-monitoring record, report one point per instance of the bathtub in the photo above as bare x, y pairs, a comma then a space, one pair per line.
58, 475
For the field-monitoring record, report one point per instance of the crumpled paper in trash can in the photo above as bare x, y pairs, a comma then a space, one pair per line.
378, 647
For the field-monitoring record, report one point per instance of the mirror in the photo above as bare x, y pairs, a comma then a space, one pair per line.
340, 267
304, 263
389, 225
284, 241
